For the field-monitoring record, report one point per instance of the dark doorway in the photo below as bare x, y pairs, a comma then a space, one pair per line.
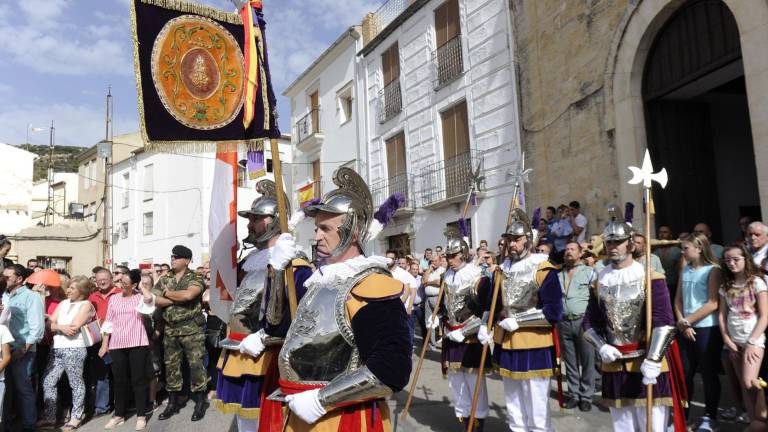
698, 124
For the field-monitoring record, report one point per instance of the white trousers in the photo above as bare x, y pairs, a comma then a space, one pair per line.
462, 386
528, 404
633, 418
244, 425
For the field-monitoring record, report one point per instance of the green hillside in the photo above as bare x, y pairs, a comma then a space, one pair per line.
63, 159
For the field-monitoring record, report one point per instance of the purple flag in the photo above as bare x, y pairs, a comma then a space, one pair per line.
255, 166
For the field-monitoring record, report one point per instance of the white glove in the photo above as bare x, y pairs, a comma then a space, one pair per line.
253, 344
306, 405
456, 336
433, 324
509, 324
651, 370
284, 251
609, 353
483, 336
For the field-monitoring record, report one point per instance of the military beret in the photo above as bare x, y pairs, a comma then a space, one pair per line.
180, 251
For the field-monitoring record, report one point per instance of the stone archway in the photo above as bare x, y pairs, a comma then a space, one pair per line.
625, 69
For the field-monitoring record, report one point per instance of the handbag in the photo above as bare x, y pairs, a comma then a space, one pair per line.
91, 333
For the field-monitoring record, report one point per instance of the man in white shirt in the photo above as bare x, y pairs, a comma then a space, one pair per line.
431, 281
411, 284
757, 239
578, 221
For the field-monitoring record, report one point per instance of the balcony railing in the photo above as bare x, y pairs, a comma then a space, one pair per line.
383, 189
308, 125
447, 179
448, 61
390, 101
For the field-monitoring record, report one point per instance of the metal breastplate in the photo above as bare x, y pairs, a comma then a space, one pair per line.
320, 344
461, 300
245, 316
519, 290
623, 306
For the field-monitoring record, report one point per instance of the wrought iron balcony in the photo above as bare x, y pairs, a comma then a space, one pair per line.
308, 125
382, 189
390, 101
447, 179
448, 62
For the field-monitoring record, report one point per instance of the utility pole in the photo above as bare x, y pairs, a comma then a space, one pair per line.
107, 197
49, 206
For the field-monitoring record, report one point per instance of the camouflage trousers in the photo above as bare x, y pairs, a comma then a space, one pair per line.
193, 348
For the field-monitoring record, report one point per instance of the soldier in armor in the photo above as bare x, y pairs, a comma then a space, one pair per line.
348, 348
615, 324
259, 317
465, 292
530, 304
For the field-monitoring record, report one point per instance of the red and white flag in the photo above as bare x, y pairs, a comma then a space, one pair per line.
222, 227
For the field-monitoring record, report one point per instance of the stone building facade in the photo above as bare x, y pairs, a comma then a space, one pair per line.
601, 80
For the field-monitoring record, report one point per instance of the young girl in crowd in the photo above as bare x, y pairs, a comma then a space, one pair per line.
743, 320
696, 305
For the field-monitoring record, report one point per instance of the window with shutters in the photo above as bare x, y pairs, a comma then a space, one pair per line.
316, 176
397, 180
458, 162
390, 97
447, 58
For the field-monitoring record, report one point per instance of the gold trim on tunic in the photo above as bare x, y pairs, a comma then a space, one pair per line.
524, 338
235, 408
239, 364
630, 365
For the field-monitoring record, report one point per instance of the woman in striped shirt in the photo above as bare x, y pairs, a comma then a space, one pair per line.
125, 339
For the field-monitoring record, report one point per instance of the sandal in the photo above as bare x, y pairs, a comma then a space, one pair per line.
141, 423
70, 427
45, 425
114, 422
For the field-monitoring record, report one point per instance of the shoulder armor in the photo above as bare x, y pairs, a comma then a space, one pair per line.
299, 262
543, 271
657, 276
378, 287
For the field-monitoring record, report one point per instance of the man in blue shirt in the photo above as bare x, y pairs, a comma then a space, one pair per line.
26, 325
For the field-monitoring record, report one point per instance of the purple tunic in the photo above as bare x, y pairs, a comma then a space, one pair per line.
621, 389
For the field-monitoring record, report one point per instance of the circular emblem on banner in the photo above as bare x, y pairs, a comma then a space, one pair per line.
197, 69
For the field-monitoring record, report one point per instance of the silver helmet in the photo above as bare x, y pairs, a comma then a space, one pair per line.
353, 199
266, 205
520, 225
454, 242
617, 229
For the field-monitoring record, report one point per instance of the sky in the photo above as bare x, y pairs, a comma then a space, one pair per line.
59, 57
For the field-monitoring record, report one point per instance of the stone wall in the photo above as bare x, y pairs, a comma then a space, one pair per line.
562, 52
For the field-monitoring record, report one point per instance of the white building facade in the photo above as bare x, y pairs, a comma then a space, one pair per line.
16, 193
440, 101
326, 122
163, 199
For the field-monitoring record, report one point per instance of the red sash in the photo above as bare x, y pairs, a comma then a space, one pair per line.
350, 417
679, 391
271, 414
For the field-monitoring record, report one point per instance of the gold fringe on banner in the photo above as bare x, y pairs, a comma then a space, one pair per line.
189, 147
196, 9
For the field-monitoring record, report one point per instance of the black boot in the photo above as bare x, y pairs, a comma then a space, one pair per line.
172, 408
201, 404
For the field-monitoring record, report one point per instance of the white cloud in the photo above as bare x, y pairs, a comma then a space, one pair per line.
78, 125
47, 39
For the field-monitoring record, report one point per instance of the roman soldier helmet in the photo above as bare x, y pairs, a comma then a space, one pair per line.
617, 228
454, 242
266, 205
353, 199
519, 225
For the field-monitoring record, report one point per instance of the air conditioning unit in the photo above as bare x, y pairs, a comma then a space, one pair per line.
76, 210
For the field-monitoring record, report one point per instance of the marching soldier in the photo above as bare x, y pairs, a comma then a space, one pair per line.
260, 317
348, 348
465, 292
531, 303
615, 324
179, 293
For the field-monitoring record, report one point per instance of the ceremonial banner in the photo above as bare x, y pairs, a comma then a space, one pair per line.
191, 78
222, 228
255, 164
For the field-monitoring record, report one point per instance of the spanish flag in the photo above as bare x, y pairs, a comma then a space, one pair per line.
306, 194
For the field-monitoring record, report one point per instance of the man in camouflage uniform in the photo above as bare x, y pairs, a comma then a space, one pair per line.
180, 293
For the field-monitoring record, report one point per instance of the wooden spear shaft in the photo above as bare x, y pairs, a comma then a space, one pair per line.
281, 208
648, 303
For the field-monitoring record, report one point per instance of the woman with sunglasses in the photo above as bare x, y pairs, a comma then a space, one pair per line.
743, 319
125, 338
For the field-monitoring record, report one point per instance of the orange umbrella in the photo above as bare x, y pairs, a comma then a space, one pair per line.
45, 277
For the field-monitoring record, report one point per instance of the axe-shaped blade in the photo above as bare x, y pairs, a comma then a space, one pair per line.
645, 174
